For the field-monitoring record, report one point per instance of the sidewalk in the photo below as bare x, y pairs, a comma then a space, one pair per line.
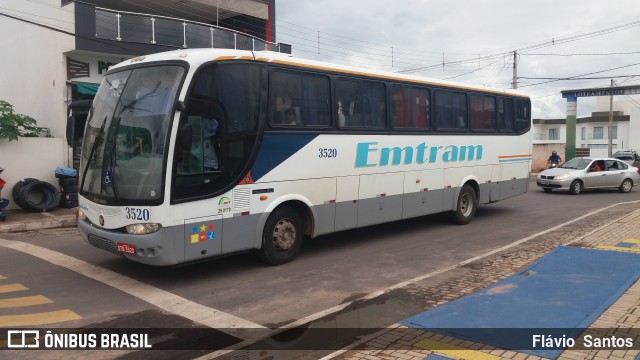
19, 220
400, 341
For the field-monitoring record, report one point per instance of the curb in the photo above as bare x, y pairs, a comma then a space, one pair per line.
62, 221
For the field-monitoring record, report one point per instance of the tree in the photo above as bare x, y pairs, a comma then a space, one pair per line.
14, 125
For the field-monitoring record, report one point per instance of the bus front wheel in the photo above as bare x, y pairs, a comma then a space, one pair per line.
282, 236
466, 205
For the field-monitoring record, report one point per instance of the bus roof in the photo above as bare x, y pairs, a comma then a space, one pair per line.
200, 56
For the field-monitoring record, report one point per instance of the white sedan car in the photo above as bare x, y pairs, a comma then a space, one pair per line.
578, 174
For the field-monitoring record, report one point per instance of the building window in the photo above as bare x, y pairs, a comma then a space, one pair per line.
583, 133
553, 134
614, 132
598, 133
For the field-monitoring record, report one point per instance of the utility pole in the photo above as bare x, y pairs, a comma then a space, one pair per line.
515, 69
610, 148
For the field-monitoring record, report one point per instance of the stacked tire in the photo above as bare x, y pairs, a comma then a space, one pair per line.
69, 187
36, 196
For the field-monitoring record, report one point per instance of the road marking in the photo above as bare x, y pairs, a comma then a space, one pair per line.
454, 351
632, 241
24, 301
38, 318
2, 277
162, 299
617, 248
12, 288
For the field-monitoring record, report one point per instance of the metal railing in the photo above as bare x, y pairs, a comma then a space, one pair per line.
180, 33
543, 136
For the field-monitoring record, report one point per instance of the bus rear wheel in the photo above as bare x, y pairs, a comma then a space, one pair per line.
466, 205
282, 236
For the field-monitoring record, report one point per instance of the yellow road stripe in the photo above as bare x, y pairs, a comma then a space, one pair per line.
24, 301
454, 351
12, 288
632, 241
619, 248
42, 318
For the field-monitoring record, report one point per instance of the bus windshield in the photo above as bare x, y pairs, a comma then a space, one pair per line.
125, 139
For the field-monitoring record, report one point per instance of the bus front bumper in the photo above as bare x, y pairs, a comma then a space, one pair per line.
152, 249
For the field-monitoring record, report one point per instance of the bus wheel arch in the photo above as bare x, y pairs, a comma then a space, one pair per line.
284, 231
466, 203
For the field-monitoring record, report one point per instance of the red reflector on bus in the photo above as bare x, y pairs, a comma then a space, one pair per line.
244, 213
449, 186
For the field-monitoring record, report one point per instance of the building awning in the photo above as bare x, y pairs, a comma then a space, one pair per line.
85, 88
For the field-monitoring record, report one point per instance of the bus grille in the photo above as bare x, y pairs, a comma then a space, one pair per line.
103, 243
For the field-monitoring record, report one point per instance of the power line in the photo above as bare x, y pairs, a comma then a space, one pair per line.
577, 76
572, 78
587, 54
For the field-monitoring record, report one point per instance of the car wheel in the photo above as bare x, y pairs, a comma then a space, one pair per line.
576, 187
626, 186
547, 189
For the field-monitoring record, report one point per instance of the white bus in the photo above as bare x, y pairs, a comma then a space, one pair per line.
194, 154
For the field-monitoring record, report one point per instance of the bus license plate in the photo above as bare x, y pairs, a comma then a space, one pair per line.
126, 248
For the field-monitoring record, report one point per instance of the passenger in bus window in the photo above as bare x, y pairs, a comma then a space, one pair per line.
210, 135
341, 117
291, 118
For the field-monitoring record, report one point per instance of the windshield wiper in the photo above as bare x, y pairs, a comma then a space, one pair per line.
96, 142
112, 164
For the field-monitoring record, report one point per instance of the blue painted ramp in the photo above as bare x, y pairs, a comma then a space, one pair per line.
562, 293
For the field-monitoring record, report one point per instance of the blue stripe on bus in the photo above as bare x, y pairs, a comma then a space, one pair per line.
275, 149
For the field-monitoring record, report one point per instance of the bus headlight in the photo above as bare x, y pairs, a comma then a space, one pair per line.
140, 229
80, 215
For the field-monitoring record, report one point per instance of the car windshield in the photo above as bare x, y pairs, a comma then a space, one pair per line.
576, 163
624, 157
125, 141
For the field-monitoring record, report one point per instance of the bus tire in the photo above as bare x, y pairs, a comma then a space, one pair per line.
282, 236
466, 205
40, 196
17, 191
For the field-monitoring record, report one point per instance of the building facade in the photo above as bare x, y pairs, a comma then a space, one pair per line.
592, 132
57, 51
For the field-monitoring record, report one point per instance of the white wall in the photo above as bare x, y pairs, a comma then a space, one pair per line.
35, 74
31, 158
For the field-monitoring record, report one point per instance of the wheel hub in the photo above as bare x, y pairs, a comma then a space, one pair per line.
284, 235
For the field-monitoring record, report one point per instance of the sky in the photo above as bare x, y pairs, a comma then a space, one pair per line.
554, 39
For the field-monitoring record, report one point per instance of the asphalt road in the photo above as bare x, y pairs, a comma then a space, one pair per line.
331, 270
